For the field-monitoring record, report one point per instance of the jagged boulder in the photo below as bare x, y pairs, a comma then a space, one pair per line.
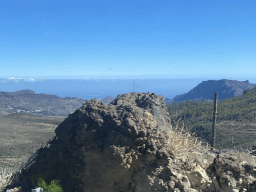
235, 172
130, 146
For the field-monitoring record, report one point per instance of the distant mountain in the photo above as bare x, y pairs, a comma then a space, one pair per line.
26, 91
168, 101
205, 90
108, 100
27, 101
88, 89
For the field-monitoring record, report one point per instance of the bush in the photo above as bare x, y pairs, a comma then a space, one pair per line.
53, 187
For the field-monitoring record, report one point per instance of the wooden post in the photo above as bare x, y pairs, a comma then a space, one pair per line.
233, 142
214, 120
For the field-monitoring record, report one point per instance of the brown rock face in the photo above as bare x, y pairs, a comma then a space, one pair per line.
125, 147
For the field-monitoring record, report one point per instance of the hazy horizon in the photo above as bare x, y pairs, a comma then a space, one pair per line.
100, 88
239, 77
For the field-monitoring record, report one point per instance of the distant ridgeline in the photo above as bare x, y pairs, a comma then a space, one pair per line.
205, 90
27, 101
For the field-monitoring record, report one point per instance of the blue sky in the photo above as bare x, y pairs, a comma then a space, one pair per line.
162, 39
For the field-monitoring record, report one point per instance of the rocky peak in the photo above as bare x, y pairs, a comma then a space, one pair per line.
25, 91
129, 145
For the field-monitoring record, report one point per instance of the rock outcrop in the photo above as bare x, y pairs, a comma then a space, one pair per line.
130, 146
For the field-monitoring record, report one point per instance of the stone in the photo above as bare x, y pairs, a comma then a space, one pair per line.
130, 146
253, 151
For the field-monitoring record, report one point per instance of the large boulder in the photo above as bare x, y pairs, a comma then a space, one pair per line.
130, 146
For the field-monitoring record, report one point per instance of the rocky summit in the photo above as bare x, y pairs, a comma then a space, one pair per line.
130, 146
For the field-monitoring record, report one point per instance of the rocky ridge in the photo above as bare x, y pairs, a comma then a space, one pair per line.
130, 145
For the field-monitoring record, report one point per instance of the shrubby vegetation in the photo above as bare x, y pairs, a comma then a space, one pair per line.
53, 187
198, 115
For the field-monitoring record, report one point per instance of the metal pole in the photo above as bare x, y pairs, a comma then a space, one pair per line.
214, 120
133, 86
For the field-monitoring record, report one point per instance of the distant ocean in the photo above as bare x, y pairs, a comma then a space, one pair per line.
89, 89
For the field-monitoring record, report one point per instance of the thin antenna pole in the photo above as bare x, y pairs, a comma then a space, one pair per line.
133, 86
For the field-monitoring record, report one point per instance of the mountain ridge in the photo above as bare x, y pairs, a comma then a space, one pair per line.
28, 101
205, 90
52, 105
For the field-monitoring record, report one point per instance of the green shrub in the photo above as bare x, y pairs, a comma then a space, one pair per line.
53, 187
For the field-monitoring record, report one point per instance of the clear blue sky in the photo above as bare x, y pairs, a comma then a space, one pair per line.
165, 38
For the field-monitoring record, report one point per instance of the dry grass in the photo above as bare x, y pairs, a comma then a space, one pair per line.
6, 174
179, 142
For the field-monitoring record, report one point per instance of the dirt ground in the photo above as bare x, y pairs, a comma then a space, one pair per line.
22, 134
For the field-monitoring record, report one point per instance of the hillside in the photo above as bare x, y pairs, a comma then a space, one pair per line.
235, 117
27, 101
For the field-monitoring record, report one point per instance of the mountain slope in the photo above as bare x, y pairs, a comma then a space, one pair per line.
28, 101
235, 122
108, 100
205, 90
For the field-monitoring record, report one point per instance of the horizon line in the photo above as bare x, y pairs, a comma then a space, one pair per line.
134, 77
